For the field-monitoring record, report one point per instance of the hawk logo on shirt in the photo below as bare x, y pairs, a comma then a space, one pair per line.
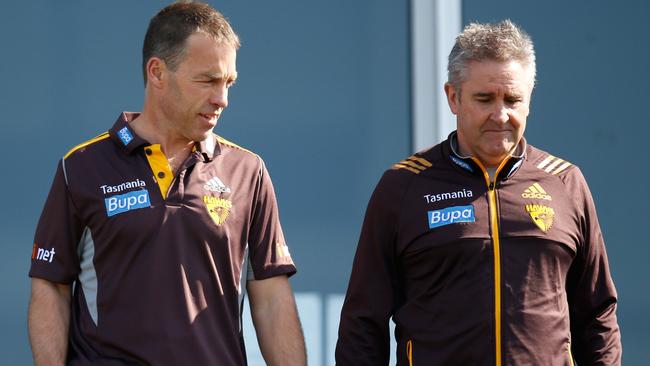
542, 216
218, 208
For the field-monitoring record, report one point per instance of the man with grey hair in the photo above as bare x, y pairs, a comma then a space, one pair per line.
154, 231
483, 249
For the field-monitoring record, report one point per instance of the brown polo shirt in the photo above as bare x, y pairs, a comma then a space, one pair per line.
159, 263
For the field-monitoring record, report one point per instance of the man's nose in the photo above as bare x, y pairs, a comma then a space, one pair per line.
219, 97
500, 113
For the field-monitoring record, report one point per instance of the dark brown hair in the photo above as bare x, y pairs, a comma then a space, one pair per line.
169, 29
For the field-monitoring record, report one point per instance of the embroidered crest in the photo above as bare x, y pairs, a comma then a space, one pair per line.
542, 216
218, 208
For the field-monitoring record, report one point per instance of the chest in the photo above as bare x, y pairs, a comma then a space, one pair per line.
442, 218
124, 206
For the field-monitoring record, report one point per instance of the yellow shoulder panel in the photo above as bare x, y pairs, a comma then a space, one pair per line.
84, 144
233, 145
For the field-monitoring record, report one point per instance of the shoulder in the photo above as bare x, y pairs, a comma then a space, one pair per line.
84, 156
239, 158
88, 146
396, 180
421, 161
426, 160
228, 147
568, 173
546, 163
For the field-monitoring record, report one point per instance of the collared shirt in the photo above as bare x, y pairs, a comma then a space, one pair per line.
159, 262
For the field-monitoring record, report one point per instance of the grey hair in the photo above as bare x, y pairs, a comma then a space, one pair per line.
502, 42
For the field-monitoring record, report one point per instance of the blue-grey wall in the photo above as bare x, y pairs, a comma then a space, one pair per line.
591, 106
322, 95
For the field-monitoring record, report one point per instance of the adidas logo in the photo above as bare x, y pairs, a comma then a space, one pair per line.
216, 185
413, 164
536, 191
553, 165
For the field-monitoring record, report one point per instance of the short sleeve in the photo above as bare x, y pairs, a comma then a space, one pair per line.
54, 253
268, 252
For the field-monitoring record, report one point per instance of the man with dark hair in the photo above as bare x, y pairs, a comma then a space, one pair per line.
154, 231
483, 249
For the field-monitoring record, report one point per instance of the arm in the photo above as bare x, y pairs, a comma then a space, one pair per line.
48, 322
59, 229
279, 334
371, 296
595, 335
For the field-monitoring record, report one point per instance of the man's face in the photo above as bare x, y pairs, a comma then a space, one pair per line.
196, 93
491, 109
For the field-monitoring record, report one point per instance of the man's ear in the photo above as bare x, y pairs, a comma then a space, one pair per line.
453, 98
156, 72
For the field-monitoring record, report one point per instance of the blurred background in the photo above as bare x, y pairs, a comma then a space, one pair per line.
331, 93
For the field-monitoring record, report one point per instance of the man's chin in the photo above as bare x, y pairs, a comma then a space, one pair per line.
500, 147
204, 136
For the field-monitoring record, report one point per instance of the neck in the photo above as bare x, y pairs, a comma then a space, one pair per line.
488, 164
148, 125
176, 148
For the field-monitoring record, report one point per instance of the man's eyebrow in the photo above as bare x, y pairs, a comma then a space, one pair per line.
482, 95
219, 76
515, 94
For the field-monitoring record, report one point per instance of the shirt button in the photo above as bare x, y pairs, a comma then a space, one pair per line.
148, 151
161, 175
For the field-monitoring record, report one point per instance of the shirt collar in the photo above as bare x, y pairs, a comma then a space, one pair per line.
125, 137
468, 164
123, 134
209, 148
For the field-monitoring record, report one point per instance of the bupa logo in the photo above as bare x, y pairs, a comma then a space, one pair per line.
451, 215
125, 135
127, 202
